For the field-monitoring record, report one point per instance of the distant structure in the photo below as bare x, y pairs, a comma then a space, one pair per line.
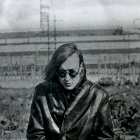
44, 15
45, 22
24, 55
55, 31
136, 23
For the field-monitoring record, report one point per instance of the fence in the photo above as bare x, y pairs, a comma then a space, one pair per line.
114, 56
104, 66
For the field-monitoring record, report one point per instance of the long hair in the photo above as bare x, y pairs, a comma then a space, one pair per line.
58, 58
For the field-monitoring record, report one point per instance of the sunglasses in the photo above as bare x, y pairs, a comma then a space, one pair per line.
62, 73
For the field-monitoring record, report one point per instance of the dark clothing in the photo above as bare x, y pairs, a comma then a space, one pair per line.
84, 115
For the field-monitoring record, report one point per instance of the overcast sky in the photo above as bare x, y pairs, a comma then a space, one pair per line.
70, 14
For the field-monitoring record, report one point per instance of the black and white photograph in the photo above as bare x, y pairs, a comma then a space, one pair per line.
69, 70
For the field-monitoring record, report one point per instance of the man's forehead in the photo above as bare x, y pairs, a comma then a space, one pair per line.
71, 62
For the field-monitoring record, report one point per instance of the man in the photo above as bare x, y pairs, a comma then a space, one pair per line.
67, 106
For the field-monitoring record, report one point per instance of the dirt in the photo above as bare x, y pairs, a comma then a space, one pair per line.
14, 112
15, 108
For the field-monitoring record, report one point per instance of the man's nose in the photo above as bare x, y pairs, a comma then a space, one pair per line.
67, 77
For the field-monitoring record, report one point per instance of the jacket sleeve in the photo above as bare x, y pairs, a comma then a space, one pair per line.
103, 128
35, 130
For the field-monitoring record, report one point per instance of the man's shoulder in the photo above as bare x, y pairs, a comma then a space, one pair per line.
41, 89
41, 85
98, 90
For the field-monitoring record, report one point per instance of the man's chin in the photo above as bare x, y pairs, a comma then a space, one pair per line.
69, 88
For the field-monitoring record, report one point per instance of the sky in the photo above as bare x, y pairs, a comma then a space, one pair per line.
16, 15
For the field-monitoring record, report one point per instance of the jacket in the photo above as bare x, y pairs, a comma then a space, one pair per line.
86, 117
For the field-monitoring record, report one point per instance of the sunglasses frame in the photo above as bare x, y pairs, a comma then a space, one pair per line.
67, 71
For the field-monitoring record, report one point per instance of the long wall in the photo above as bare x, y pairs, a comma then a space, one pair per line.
102, 54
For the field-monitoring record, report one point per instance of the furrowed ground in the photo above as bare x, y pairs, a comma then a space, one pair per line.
15, 108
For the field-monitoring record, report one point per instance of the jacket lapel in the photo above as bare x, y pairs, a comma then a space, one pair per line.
77, 107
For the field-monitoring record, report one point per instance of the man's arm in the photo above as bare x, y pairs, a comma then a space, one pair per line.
103, 128
35, 130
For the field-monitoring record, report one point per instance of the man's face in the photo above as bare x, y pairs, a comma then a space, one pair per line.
68, 73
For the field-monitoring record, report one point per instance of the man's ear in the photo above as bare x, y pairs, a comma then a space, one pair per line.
81, 67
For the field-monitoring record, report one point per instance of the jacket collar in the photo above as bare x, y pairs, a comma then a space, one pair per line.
77, 107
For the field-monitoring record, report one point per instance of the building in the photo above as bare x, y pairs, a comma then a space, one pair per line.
24, 55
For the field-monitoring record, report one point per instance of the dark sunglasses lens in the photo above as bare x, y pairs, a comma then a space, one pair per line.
72, 73
61, 73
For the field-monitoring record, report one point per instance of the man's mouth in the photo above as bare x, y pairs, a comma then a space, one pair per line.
68, 84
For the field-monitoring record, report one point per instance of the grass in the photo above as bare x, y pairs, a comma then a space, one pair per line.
15, 108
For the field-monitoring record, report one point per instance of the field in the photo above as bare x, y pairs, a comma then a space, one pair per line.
14, 112
15, 107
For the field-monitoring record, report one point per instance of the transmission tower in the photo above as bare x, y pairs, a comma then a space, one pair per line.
55, 31
44, 14
45, 21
